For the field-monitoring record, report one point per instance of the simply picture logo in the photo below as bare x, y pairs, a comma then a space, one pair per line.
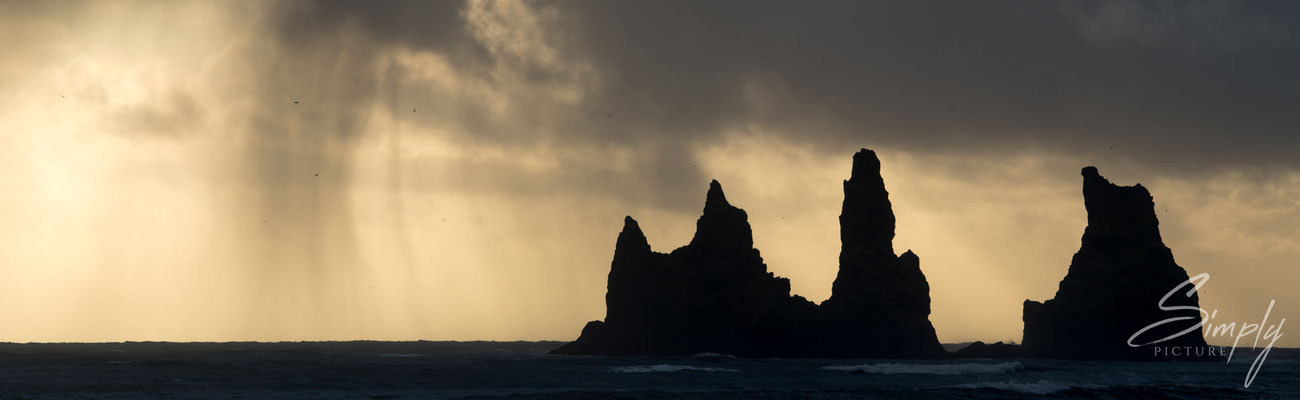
1269, 333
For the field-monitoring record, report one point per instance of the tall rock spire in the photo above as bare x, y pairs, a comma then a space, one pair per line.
867, 218
880, 302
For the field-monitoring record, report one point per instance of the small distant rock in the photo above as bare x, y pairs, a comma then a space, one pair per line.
982, 350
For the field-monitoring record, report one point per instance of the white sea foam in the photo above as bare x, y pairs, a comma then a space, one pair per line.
668, 368
934, 369
1040, 387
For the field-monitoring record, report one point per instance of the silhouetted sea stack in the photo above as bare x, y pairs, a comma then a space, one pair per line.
880, 302
712, 295
716, 295
1113, 285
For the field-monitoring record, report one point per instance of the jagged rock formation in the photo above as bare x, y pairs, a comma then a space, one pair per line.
712, 295
880, 302
1113, 285
716, 295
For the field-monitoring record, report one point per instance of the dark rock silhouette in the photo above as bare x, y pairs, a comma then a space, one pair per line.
982, 350
880, 302
716, 295
712, 295
1113, 285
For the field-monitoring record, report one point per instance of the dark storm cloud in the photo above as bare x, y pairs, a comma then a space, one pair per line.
1189, 25
1185, 84
434, 25
1177, 86
1210, 85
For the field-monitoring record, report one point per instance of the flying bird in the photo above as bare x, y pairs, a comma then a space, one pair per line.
317, 174
295, 102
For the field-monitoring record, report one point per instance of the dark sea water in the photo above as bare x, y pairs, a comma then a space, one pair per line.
446, 370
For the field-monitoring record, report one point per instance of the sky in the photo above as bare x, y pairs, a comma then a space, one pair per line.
289, 170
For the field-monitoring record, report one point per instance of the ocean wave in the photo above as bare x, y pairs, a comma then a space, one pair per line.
401, 355
935, 369
713, 355
667, 368
1040, 387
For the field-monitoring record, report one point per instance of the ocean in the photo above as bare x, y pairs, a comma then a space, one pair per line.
523, 370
